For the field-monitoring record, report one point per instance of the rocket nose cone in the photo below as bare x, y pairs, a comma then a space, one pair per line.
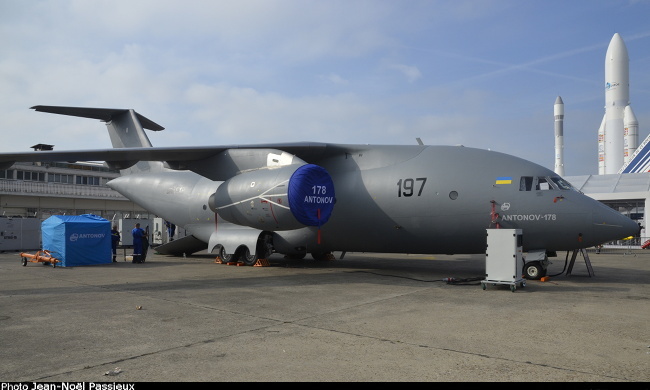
616, 40
617, 48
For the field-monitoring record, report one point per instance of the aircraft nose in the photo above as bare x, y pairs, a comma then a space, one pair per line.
610, 225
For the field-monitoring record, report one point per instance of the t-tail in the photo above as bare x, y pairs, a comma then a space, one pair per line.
125, 128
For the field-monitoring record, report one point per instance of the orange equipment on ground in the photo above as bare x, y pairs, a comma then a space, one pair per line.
258, 263
43, 256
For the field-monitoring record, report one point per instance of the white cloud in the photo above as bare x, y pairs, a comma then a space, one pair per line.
335, 71
412, 73
336, 79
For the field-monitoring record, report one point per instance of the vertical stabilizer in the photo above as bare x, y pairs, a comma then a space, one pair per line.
126, 131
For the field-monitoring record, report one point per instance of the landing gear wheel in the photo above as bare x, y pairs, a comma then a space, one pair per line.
246, 257
224, 257
534, 271
264, 246
24, 261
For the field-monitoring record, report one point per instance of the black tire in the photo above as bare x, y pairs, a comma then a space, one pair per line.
224, 257
264, 246
244, 255
534, 271
24, 261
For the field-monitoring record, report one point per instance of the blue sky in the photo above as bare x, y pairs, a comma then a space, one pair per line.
481, 73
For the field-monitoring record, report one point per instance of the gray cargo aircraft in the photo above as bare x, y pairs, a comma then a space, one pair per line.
245, 202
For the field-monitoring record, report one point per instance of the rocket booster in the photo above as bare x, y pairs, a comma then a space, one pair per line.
558, 114
631, 132
618, 132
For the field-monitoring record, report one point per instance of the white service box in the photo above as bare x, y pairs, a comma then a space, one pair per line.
159, 232
20, 234
504, 260
126, 226
160, 235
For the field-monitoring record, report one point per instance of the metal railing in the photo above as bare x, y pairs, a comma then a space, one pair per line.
11, 187
633, 245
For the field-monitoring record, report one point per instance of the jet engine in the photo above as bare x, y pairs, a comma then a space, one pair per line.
276, 198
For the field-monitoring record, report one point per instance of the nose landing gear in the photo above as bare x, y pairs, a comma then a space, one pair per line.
534, 270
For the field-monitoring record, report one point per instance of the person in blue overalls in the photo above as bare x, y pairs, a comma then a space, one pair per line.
171, 230
137, 233
115, 239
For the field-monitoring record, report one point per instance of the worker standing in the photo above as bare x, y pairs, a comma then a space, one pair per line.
171, 230
138, 234
115, 239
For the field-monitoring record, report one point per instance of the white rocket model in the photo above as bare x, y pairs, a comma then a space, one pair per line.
558, 113
618, 135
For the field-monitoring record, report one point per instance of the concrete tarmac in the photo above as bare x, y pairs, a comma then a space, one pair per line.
366, 317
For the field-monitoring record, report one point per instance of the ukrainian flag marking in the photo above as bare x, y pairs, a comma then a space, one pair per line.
504, 180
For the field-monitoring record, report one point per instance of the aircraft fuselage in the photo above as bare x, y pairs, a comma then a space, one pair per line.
409, 199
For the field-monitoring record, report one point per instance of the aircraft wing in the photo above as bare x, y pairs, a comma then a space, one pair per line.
213, 162
218, 163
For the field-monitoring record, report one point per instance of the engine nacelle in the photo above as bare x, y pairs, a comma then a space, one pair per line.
278, 198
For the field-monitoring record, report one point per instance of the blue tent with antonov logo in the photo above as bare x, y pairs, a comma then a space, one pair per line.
78, 239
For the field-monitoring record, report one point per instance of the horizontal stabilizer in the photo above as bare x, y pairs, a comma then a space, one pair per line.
103, 114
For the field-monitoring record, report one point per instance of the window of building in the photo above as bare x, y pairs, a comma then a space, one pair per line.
88, 180
59, 178
30, 176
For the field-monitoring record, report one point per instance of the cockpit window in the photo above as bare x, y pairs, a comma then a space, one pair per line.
543, 183
526, 183
562, 184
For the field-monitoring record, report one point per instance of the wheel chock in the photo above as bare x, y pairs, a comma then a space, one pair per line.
262, 263
258, 263
544, 279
